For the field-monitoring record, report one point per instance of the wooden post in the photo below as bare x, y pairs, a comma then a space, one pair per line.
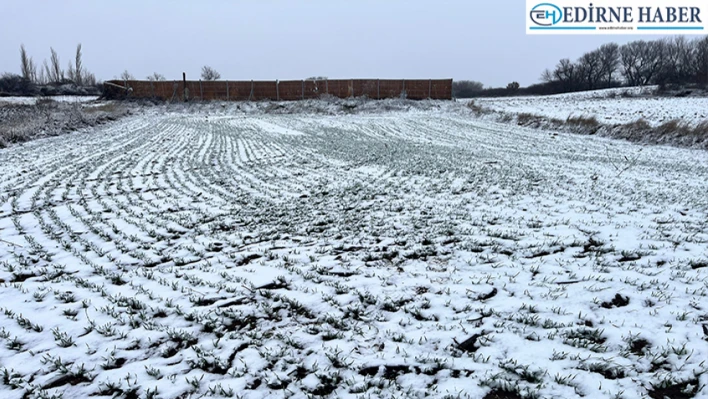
327, 85
250, 96
430, 89
227, 91
277, 90
303, 89
184, 86
403, 93
378, 89
201, 91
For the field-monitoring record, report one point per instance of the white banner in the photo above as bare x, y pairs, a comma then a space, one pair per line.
615, 17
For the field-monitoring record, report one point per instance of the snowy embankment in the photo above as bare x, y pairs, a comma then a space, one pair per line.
33, 100
399, 254
628, 113
614, 106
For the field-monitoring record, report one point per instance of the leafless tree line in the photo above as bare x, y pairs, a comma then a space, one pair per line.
208, 73
673, 60
52, 72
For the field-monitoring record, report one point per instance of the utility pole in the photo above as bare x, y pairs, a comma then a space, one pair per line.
184, 86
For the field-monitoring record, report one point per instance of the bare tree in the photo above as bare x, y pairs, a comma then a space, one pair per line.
126, 75
42, 77
590, 69
609, 61
156, 77
47, 72
78, 67
656, 51
547, 76
698, 64
70, 72
57, 74
209, 73
641, 61
29, 71
88, 78
566, 74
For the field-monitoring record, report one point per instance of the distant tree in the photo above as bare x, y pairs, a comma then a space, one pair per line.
47, 72
42, 77
590, 70
156, 77
513, 86
698, 64
126, 75
641, 61
466, 88
29, 70
78, 67
57, 74
676, 61
609, 61
317, 78
566, 74
209, 73
88, 79
70, 72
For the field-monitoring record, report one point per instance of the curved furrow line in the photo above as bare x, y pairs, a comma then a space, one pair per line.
58, 228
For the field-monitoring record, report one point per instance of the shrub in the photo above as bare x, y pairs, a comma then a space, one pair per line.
11, 84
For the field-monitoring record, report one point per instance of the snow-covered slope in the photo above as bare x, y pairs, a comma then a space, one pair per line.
33, 100
613, 106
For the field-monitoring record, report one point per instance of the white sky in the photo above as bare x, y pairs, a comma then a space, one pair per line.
279, 39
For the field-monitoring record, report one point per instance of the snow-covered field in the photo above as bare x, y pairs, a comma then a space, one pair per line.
33, 100
391, 255
608, 106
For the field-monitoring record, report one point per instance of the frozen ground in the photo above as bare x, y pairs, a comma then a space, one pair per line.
608, 106
398, 254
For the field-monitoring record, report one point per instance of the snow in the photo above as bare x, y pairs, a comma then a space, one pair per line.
224, 252
610, 106
33, 100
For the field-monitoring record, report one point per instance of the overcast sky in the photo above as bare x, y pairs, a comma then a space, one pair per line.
295, 39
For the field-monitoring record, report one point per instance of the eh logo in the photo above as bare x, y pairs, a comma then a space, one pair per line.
546, 14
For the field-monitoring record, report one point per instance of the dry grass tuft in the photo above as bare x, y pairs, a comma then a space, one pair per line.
589, 122
526, 118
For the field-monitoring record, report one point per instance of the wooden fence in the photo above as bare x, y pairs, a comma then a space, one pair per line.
286, 90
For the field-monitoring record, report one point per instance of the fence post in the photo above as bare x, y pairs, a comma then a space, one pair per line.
250, 96
327, 85
277, 90
430, 89
378, 89
201, 91
184, 86
227, 91
303, 89
403, 93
